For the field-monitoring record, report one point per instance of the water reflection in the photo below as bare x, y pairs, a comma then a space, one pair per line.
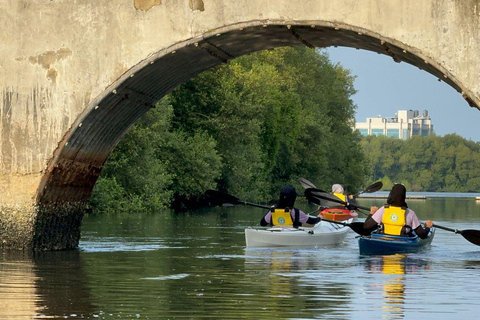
18, 296
42, 285
195, 266
394, 286
299, 281
61, 284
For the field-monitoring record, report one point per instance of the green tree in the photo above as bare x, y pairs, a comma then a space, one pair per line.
152, 164
247, 128
431, 163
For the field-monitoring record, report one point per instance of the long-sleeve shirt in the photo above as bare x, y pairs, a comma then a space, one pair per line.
303, 218
411, 220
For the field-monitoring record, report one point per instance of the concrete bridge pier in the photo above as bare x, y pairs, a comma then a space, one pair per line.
41, 227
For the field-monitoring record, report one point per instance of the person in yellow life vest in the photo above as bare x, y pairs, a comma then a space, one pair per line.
339, 191
395, 218
285, 214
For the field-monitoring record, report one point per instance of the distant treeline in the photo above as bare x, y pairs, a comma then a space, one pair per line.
247, 128
450, 163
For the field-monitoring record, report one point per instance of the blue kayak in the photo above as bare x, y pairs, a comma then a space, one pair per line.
383, 244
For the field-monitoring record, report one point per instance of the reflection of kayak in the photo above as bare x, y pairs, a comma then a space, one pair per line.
338, 214
384, 244
321, 234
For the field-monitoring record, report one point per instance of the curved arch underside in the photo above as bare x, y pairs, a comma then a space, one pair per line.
80, 157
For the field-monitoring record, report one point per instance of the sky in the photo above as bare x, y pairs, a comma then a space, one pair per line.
384, 87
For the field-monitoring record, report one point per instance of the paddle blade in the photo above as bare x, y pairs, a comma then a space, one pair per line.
316, 196
219, 197
305, 183
374, 187
471, 235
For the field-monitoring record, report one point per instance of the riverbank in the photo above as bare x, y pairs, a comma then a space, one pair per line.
424, 195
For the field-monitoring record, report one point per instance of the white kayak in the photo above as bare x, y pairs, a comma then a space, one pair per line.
323, 234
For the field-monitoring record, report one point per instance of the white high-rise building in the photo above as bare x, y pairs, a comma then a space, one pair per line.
405, 124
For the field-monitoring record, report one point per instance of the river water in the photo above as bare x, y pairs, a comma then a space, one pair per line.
194, 265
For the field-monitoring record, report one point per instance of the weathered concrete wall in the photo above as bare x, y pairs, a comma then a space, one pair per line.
76, 75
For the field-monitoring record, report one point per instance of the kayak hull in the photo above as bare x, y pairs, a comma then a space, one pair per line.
381, 244
323, 234
338, 214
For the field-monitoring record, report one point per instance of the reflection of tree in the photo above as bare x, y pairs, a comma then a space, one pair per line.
394, 287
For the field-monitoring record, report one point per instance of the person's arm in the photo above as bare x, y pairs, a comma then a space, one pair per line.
313, 220
423, 232
370, 223
267, 218
352, 200
414, 222
306, 219
263, 222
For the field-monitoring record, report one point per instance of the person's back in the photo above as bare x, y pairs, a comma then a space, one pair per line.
395, 218
285, 214
339, 191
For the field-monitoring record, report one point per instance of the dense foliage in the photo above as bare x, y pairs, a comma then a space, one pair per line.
247, 128
450, 163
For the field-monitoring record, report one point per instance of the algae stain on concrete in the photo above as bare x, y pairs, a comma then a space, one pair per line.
47, 59
197, 5
146, 5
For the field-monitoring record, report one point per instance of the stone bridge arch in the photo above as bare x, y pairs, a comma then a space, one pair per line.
77, 100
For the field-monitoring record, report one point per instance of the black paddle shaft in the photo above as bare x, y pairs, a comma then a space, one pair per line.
314, 195
357, 227
225, 198
471, 235
372, 188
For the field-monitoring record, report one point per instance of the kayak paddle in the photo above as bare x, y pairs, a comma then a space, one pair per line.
371, 188
471, 235
306, 184
357, 227
227, 199
316, 195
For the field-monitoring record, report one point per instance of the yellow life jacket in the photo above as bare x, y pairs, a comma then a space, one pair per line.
282, 217
341, 196
394, 220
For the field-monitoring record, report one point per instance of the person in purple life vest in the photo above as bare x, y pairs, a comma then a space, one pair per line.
285, 214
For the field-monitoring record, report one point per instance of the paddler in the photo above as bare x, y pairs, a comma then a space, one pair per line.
339, 191
285, 214
395, 218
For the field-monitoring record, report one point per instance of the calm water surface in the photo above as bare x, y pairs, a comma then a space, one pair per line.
194, 265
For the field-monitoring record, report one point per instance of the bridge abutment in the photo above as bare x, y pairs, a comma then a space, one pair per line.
41, 227
16, 226
27, 225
